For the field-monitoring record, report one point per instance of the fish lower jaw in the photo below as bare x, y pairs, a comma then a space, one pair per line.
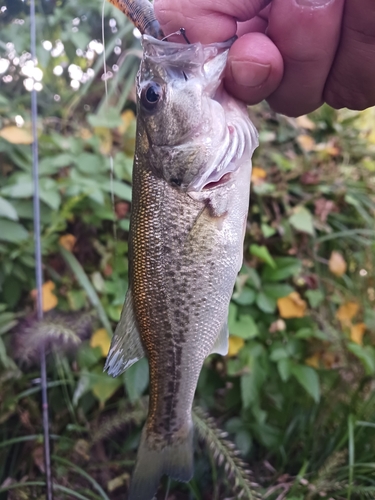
225, 163
215, 184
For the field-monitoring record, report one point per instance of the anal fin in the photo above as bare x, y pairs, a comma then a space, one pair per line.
221, 345
126, 346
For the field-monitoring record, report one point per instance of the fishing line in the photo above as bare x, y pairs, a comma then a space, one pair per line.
38, 258
111, 168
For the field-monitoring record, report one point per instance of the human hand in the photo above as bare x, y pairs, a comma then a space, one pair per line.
297, 54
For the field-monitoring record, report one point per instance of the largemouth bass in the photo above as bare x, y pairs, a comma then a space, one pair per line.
191, 183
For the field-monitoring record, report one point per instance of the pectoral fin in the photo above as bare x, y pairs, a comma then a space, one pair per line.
126, 347
221, 344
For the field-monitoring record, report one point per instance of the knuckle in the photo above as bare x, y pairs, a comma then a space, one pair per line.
340, 96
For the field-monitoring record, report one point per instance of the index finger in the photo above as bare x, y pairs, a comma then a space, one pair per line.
206, 21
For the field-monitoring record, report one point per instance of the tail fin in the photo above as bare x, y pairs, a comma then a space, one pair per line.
153, 460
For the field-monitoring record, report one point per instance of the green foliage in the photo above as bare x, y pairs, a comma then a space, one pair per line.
296, 392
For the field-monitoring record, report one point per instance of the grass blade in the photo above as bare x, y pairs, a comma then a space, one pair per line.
84, 474
84, 281
14, 486
346, 234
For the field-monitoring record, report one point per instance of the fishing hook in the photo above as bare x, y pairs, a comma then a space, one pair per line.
181, 32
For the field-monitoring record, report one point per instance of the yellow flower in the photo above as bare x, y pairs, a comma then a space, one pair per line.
235, 345
101, 339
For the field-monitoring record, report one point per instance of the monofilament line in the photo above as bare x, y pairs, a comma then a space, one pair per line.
106, 101
38, 259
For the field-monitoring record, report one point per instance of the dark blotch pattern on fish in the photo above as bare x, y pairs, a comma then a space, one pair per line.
169, 301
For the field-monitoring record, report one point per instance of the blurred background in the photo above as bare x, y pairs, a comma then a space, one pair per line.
290, 412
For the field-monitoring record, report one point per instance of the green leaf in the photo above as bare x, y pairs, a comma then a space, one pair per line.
270, 436
242, 326
124, 224
136, 379
284, 367
365, 354
6, 360
351, 200
234, 424
102, 386
120, 189
280, 159
251, 383
52, 164
253, 277
279, 353
308, 378
243, 441
84, 281
79, 38
3, 100
285, 268
123, 167
264, 188
12, 290
245, 298
265, 303
12, 231
110, 119
369, 318
263, 254
6, 326
315, 297
249, 389
77, 299
89, 163
22, 189
308, 333
267, 230
277, 290
88, 356
302, 221
49, 193
7, 210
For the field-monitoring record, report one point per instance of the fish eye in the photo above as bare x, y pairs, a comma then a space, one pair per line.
151, 95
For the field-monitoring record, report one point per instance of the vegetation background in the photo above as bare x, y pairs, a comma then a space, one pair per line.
295, 396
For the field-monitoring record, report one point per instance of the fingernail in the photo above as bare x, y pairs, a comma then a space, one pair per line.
249, 73
313, 3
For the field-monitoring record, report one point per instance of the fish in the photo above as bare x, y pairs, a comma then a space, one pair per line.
191, 187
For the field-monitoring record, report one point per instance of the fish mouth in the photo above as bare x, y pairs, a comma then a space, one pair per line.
178, 54
226, 160
214, 184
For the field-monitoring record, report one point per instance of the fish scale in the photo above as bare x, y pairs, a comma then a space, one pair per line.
189, 208
161, 266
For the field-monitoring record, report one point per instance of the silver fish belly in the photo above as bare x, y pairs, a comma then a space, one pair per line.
191, 184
